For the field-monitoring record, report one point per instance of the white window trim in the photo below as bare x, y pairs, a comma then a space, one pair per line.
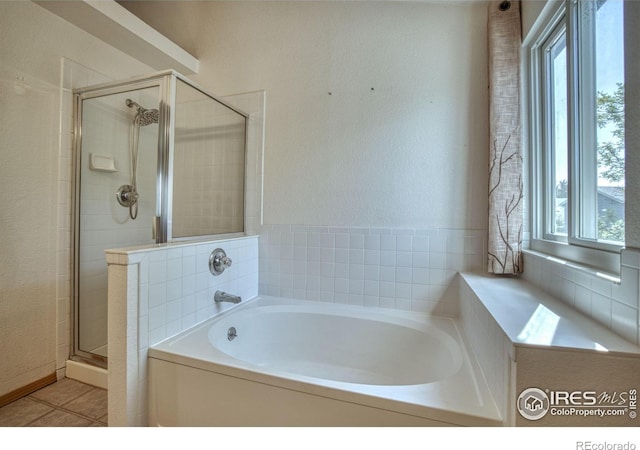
591, 255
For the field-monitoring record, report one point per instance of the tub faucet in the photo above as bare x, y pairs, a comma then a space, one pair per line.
220, 296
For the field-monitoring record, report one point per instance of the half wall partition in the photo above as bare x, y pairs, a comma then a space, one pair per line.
157, 159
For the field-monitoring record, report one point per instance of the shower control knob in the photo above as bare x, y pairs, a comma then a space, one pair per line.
130, 196
218, 262
127, 195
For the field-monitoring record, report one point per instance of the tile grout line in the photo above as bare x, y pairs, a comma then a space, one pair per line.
63, 409
40, 416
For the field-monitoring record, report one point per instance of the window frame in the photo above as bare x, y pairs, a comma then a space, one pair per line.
548, 132
587, 252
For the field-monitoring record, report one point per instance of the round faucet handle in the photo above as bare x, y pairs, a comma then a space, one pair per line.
218, 262
225, 261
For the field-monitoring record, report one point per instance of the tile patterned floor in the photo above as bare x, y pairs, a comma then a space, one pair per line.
66, 403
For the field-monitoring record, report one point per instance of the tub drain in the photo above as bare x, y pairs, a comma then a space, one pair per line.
231, 333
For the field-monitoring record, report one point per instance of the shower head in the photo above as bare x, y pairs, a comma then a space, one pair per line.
143, 116
147, 116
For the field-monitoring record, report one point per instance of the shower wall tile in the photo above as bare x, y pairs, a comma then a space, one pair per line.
253, 104
398, 268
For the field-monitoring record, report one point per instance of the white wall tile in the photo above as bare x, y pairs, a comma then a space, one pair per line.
356, 256
356, 241
404, 258
387, 274
157, 295
395, 259
387, 258
627, 290
404, 275
420, 276
387, 289
583, 300
371, 257
342, 240
420, 244
630, 258
372, 242
372, 272
174, 289
420, 259
600, 298
601, 309
602, 287
623, 321
404, 243
403, 291
388, 242
356, 272
437, 260
438, 245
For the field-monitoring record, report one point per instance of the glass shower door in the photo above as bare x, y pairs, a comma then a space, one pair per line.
116, 198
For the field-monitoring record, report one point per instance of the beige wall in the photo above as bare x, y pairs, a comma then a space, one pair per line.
35, 252
530, 11
376, 111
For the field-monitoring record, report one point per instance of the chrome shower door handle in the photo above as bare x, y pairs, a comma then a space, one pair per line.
218, 262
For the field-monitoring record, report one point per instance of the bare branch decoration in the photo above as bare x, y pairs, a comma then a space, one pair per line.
505, 184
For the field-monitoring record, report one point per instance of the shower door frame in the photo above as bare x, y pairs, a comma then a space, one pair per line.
166, 82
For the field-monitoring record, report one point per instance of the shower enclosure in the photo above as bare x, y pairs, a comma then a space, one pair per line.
157, 159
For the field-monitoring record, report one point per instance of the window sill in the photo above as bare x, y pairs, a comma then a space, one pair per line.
586, 269
600, 262
512, 303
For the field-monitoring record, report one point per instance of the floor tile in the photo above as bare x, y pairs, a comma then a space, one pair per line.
59, 418
66, 403
61, 392
92, 404
21, 412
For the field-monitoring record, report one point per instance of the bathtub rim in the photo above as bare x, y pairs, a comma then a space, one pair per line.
481, 412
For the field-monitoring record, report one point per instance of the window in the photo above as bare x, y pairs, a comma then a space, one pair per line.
577, 133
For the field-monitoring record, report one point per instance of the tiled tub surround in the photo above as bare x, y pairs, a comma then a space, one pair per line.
498, 315
397, 268
156, 292
609, 301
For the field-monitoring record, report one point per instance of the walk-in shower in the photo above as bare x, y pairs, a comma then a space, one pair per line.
157, 159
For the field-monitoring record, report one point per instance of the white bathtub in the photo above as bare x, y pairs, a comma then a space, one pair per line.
300, 363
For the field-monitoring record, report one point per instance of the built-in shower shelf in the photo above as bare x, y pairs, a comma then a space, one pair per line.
117, 26
102, 163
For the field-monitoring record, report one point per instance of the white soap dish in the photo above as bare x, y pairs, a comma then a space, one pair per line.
102, 163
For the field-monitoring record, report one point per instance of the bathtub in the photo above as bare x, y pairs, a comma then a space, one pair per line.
281, 362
